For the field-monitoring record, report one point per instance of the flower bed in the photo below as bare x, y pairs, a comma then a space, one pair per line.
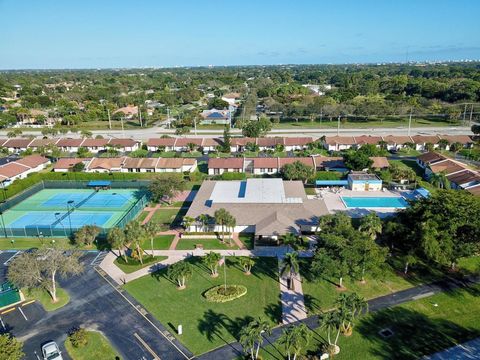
220, 294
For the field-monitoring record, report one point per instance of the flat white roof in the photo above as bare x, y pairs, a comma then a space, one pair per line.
260, 191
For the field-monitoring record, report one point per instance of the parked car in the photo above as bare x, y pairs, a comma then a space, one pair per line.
51, 351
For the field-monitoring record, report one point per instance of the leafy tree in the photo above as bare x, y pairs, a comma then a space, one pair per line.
292, 240
230, 224
39, 269
83, 152
204, 220
290, 267
166, 186
10, 348
86, 134
295, 339
252, 335
297, 171
211, 260
14, 133
86, 235
256, 128
246, 263
78, 167
116, 240
325, 264
226, 139
222, 218
180, 272
217, 103
439, 180
409, 259
357, 160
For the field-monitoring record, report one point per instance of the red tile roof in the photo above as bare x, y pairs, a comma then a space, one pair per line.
225, 163
67, 142
33, 161
67, 163
368, 139
161, 142
340, 140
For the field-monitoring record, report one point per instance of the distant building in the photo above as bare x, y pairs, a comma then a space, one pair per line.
361, 181
128, 111
214, 116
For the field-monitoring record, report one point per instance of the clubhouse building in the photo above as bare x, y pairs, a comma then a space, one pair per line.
268, 208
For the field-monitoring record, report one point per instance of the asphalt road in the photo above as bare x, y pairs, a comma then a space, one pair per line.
94, 304
144, 134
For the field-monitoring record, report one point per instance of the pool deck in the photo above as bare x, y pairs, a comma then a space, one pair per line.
335, 204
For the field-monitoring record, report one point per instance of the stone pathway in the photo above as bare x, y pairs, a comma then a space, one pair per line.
293, 302
238, 242
151, 211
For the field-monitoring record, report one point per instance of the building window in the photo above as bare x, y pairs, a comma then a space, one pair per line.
270, 170
216, 171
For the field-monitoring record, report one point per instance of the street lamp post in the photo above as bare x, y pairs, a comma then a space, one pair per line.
3, 225
69, 203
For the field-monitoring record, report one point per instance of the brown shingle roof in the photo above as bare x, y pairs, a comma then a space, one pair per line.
464, 177
431, 157
474, 190
174, 163
447, 166
379, 162
122, 142
322, 162
242, 141
42, 142
305, 160
401, 140
67, 142
462, 139
161, 142
185, 141
300, 141
33, 161
424, 139
269, 141
140, 163
225, 163
340, 140
67, 163
94, 142
106, 163
368, 139
12, 169
265, 163
17, 143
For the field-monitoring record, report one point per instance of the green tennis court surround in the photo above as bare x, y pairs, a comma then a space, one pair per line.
62, 211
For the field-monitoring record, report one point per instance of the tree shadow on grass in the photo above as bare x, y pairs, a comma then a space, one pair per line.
274, 312
266, 267
211, 325
312, 303
414, 334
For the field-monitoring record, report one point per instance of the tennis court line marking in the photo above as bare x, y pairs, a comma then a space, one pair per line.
149, 349
147, 319
20, 309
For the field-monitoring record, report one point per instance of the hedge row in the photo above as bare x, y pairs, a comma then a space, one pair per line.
219, 295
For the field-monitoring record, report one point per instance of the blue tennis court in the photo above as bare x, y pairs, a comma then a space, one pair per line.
57, 211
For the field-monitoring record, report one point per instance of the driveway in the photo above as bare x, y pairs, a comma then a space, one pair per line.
94, 304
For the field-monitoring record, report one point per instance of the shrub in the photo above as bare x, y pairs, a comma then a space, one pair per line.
78, 337
219, 294
233, 176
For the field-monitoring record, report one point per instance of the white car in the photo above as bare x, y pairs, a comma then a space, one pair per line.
51, 351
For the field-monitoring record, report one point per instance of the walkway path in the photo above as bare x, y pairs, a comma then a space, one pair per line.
293, 304
151, 211
238, 242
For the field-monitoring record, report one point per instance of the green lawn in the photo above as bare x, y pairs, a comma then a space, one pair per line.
247, 240
28, 243
310, 190
420, 328
45, 299
97, 348
134, 265
418, 170
168, 216
322, 293
164, 154
206, 325
142, 216
208, 244
161, 242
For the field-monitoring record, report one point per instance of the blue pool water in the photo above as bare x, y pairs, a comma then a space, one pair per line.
375, 202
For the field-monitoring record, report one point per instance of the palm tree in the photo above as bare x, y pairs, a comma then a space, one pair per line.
253, 334
332, 322
187, 222
204, 220
116, 239
294, 339
211, 260
221, 218
292, 240
151, 229
439, 180
350, 307
371, 225
134, 233
290, 267
247, 264
180, 272
230, 223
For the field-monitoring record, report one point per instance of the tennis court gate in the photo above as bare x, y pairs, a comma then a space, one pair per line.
48, 231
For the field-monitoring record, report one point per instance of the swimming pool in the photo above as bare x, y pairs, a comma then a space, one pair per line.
374, 202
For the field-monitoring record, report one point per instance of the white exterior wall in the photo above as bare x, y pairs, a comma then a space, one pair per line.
258, 171
360, 186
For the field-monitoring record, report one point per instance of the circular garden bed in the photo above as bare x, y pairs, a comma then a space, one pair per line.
220, 293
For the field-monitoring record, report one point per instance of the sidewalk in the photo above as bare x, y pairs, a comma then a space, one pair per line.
293, 304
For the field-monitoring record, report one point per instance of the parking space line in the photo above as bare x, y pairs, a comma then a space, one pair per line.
28, 302
155, 356
10, 258
3, 325
7, 311
96, 257
151, 323
20, 309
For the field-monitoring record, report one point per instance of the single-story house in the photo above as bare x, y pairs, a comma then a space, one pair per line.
19, 169
69, 145
368, 139
166, 144
428, 158
421, 141
105, 165
338, 143
66, 164
396, 143
217, 166
16, 145
465, 140
214, 116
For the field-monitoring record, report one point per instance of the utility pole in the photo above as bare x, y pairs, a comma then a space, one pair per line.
338, 125
123, 130
168, 117
109, 119
195, 125
471, 113
321, 114
140, 116
410, 121
464, 113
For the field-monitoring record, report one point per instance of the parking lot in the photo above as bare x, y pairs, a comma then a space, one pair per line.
94, 304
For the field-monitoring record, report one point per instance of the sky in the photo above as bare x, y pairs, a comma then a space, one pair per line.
58, 34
